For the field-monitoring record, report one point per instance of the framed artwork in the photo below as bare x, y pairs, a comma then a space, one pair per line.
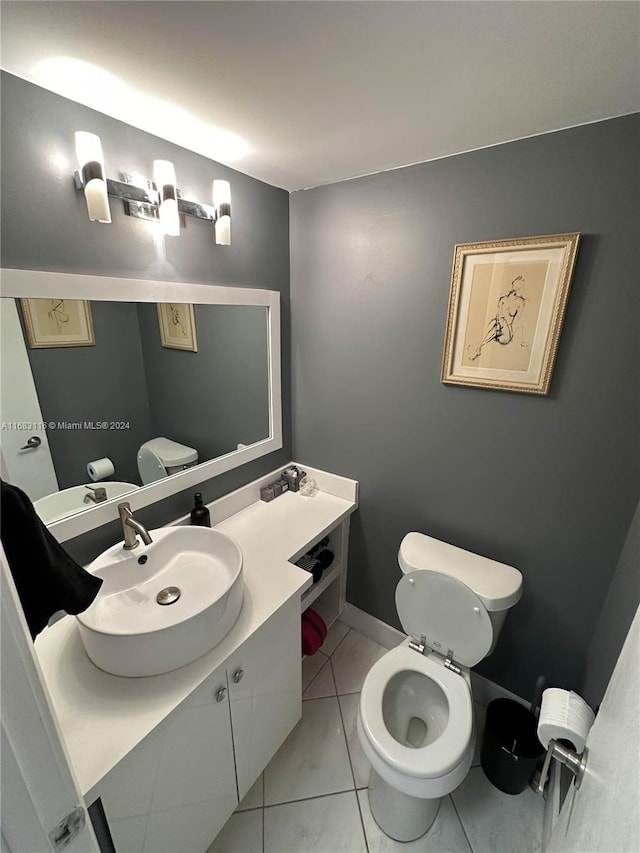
506, 307
177, 325
58, 323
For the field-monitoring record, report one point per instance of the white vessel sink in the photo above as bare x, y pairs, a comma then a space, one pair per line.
127, 632
69, 501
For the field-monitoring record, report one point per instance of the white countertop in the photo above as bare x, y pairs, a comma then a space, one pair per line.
101, 716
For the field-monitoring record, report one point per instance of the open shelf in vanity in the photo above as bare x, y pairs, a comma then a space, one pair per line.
328, 595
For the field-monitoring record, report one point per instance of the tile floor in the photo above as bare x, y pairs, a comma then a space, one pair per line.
312, 797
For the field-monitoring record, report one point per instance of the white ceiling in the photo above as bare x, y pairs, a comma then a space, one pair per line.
306, 93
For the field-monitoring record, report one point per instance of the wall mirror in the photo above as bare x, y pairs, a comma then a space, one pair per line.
138, 388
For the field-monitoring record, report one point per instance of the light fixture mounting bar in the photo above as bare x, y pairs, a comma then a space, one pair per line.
143, 202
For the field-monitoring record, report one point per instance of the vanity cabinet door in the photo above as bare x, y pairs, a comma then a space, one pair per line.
265, 687
177, 788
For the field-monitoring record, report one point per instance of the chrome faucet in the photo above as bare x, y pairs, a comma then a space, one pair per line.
131, 528
96, 494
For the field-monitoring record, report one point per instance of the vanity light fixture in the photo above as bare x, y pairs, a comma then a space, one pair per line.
222, 207
91, 163
164, 176
157, 200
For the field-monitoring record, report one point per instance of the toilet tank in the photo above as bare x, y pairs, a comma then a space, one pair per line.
160, 457
497, 585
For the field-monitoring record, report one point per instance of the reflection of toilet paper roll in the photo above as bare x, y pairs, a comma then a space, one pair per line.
564, 716
100, 468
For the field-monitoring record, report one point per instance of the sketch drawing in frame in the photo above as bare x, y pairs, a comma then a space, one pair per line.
58, 323
177, 325
506, 307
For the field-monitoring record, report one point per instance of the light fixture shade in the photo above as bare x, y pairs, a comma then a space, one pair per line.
222, 204
164, 175
91, 163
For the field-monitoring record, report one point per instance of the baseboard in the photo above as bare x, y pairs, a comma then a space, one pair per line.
484, 691
374, 629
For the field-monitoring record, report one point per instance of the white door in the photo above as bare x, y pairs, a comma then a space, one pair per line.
604, 815
30, 469
38, 788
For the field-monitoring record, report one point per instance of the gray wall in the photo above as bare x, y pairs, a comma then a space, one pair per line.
45, 226
216, 397
616, 617
78, 384
547, 484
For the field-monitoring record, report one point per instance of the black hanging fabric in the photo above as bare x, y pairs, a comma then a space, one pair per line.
46, 577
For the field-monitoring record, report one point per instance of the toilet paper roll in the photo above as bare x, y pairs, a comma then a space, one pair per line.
100, 468
564, 716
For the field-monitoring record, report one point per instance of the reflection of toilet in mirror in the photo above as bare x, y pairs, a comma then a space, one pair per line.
161, 457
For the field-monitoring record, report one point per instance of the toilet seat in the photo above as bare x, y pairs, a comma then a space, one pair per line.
447, 751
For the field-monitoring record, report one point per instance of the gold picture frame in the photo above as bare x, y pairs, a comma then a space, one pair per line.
506, 308
177, 323
58, 323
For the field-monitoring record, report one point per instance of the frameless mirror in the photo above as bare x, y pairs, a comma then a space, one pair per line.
144, 388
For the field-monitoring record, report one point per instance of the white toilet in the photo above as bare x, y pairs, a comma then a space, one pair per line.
415, 717
161, 457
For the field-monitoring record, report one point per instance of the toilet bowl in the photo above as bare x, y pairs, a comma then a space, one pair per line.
161, 457
415, 715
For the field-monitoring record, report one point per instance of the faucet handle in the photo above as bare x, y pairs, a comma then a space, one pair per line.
99, 492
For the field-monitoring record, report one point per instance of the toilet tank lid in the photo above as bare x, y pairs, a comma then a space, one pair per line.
170, 452
497, 585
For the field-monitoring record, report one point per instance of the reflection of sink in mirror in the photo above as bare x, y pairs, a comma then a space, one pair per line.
157, 615
76, 499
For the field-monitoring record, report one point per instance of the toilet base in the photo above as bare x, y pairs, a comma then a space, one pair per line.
400, 816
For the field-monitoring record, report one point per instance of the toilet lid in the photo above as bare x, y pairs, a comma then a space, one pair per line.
150, 467
447, 612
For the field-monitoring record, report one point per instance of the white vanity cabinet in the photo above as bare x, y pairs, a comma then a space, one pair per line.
265, 688
170, 756
175, 790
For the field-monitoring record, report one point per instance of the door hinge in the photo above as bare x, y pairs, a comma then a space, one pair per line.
68, 828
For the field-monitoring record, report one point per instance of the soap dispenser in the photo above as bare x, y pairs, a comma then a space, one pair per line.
200, 515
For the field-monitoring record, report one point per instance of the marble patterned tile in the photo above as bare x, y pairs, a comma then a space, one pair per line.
322, 825
446, 834
352, 660
311, 666
313, 760
480, 712
359, 763
322, 685
495, 822
336, 634
242, 833
254, 798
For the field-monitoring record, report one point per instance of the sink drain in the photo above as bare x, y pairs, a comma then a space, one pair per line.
168, 595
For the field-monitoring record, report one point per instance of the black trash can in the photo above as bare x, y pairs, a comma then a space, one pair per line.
510, 746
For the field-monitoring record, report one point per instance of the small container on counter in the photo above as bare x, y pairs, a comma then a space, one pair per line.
293, 475
200, 515
267, 494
